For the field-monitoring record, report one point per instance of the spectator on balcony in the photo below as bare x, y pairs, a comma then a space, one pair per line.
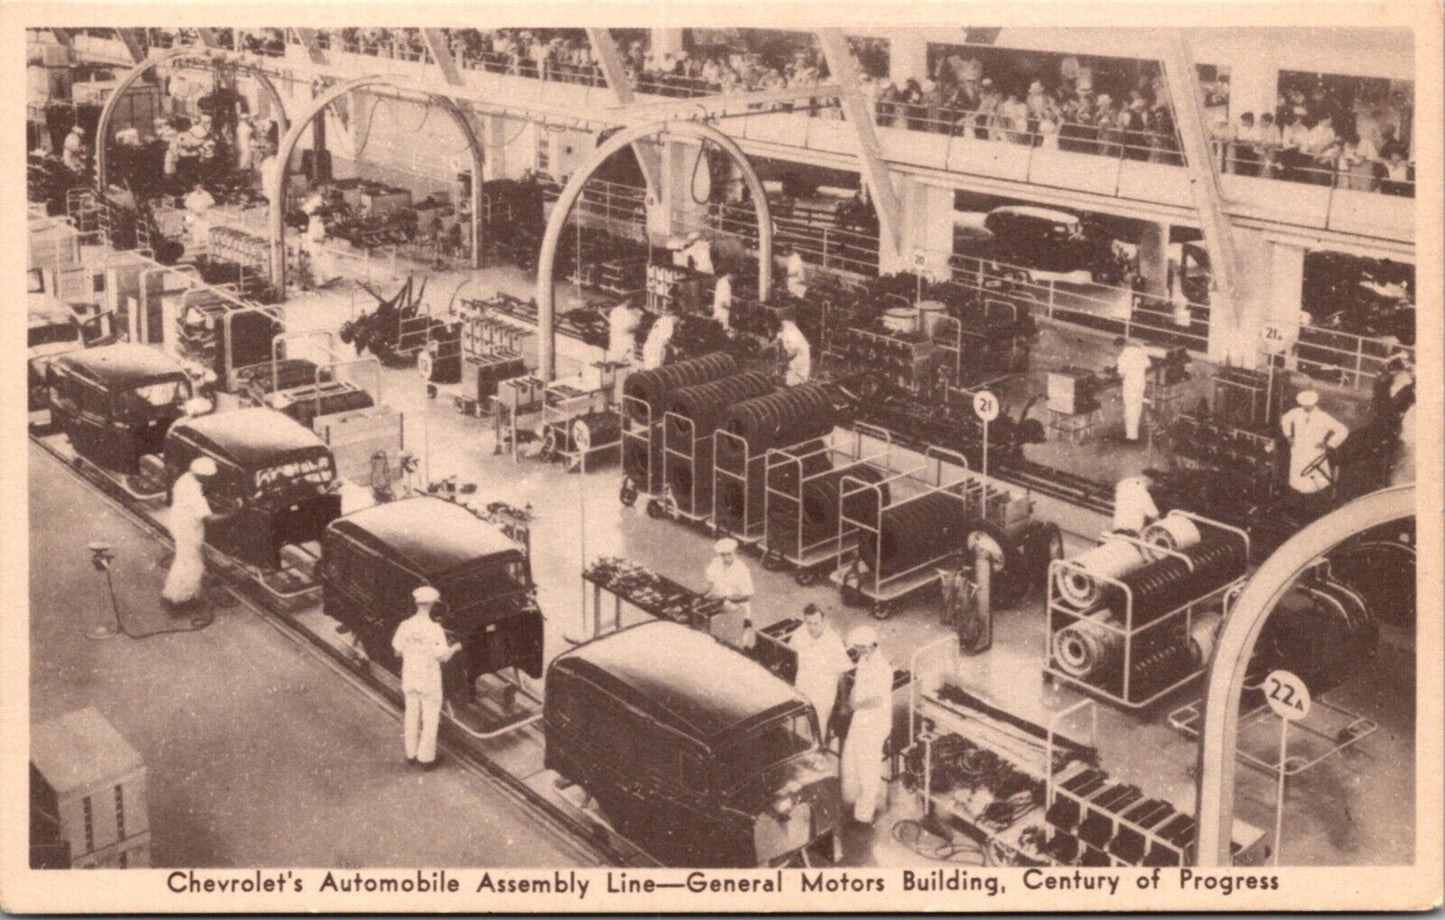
1049, 129
1077, 129
1397, 180
913, 104
1135, 123
1038, 102
1358, 164
889, 99
1109, 122
1294, 134
989, 102
1013, 114
1163, 141
1321, 146
931, 101
1240, 146
1268, 144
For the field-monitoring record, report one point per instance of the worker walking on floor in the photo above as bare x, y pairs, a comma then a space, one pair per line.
654, 350
1134, 507
190, 510
1133, 366
796, 274
871, 703
822, 660
722, 300
1312, 433
422, 646
729, 580
796, 350
622, 323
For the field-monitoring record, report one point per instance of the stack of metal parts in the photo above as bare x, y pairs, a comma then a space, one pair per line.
993, 788
482, 373
245, 249
257, 382
1097, 822
307, 403
1214, 442
652, 593
906, 360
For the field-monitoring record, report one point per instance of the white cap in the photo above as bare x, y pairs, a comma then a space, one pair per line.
1402, 356
426, 594
725, 545
862, 635
198, 405
203, 466
1307, 398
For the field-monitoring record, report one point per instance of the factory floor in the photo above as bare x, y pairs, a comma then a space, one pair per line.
257, 753
1355, 806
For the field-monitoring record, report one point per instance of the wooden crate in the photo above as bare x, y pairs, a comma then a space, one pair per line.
92, 783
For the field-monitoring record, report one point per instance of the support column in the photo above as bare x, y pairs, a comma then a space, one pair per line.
1269, 281
497, 129
1154, 259
907, 57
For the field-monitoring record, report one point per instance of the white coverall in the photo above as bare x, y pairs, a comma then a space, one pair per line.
422, 645
189, 510
798, 351
730, 581
722, 302
821, 662
654, 350
862, 765
797, 286
1404, 470
72, 152
197, 203
1133, 365
1133, 505
1308, 433
622, 333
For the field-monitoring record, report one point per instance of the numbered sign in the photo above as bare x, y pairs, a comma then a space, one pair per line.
1274, 338
985, 405
1287, 695
920, 258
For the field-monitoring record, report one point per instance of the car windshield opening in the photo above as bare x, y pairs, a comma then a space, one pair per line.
764, 747
153, 395
53, 334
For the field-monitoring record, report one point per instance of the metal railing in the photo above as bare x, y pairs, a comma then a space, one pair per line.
1335, 169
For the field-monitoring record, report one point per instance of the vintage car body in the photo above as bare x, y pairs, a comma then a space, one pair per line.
371, 561
116, 402
275, 478
692, 750
51, 329
1048, 241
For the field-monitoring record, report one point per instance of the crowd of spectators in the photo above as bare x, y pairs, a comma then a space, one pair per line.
1313, 138
1076, 109
712, 70
562, 55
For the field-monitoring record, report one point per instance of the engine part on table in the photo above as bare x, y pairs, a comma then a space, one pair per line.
653, 387
1380, 566
1174, 531
1074, 390
915, 532
1173, 368
705, 404
958, 765
1080, 586
1211, 442
1322, 630
906, 360
483, 373
788, 416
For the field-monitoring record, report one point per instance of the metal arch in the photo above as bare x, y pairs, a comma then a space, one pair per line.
1215, 795
107, 110
546, 306
276, 189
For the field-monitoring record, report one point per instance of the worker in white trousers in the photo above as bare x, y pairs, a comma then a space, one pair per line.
872, 706
728, 579
796, 274
797, 351
1133, 505
654, 350
722, 299
1312, 432
622, 323
822, 660
1133, 366
190, 510
422, 646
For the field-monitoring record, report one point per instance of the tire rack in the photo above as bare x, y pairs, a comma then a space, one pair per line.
643, 433
1124, 626
690, 454
843, 448
748, 531
885, 590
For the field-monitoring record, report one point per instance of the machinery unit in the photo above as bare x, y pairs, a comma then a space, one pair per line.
275, 485
1073, 391
372, 560
746, 783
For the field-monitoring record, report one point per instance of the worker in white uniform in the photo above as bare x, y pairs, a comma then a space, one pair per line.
322, 271
796, 350
722, 300
189, 512
198, 223
73, 152
729, 579
654, 350
796, 274
1133, 505
1133, 365
1311, 432
696, 254
422, 646
871, 703
622, 323
822, 660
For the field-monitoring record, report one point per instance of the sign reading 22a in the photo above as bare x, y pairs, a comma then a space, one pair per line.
1287, 695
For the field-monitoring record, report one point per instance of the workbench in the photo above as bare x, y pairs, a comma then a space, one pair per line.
655, 595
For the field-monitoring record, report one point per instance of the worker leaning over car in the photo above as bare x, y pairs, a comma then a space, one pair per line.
189, 512
796, 350
422, 645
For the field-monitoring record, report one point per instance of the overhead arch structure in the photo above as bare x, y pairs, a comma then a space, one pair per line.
107, 110
546, 304
1235, 645
276, 182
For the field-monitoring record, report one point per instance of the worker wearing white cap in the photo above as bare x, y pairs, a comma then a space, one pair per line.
871, 703
73, 153
796, 273
622, 321
822, 660
722, 299
422, 646
654, 350
797, 351
1312, 432
1133, 366
729, 579
189, 512
1133, 505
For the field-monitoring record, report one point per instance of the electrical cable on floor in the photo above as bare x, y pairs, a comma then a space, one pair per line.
912, 834
197, 622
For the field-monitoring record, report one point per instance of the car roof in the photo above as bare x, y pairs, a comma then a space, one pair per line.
122, 364
432, 536
252, 437
683, 678
1037, 213
48, 310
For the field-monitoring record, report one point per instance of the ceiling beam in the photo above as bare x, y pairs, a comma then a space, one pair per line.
441, 52
209, 38
134, 43
859, 112
312, 45
649, 156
